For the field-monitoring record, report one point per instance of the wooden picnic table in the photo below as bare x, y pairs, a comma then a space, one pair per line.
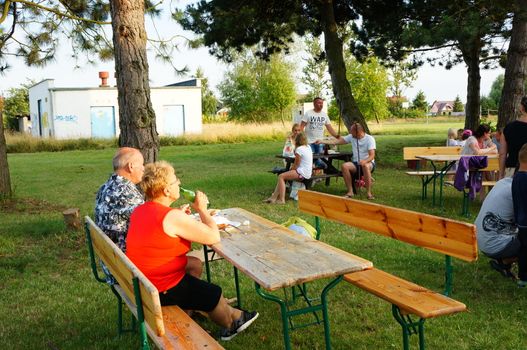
440, 171
275, 257
326, 158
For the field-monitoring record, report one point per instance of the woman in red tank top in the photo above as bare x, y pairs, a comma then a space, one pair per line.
158, 240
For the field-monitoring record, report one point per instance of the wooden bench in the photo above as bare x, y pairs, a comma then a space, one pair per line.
410, 155
445, 236
169, 327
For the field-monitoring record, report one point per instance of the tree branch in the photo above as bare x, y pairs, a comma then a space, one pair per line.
429, 48
59, 13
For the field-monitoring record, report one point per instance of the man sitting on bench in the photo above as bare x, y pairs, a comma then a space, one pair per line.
363, 160
497, 233
119, 196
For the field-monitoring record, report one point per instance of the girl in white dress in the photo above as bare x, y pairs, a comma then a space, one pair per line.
302, 169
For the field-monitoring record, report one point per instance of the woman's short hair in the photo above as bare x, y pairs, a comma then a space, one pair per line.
300, 139
481, 130
451, 132
156, 178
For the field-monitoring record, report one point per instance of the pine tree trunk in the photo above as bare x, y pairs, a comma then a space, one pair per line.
516, 69
137, 119
5, 179
471, 57
348, 107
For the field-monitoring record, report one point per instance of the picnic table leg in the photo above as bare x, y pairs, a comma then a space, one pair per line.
237, 284
207, 266
283, 312
323, 298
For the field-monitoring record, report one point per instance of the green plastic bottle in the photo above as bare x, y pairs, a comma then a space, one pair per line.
187, 194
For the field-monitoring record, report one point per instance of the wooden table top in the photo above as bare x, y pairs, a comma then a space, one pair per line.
276, 257
449, 157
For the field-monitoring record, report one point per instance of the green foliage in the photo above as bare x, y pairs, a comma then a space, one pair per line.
369, 80
258, 91
487, 105
316, 68
16, 103
495, 90
209, 102
402, 75
333, 110
419, 103
458, 105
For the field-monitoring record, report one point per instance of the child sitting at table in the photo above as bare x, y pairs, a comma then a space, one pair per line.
451, 138
302, 169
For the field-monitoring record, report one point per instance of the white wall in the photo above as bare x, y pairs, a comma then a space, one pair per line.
71, 112
40, 91
67, 110
188, 96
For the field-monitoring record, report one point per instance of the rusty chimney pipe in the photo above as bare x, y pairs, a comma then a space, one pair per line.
104, 79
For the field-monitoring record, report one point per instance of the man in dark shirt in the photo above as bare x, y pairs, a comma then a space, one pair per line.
513, 138
519, 200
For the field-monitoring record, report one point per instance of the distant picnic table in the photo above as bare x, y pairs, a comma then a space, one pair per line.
329, 172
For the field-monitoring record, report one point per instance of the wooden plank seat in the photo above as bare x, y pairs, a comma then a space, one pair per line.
445, 236
169, 327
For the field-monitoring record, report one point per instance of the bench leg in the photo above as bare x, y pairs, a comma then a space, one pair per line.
140, 315
409, 327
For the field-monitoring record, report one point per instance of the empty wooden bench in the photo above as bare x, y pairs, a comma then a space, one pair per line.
445, 236
410, 155
169, 327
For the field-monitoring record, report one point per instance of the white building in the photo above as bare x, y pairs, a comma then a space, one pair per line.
65, 113
300, 109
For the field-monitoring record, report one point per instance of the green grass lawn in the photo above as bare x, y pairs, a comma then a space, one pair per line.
49, 299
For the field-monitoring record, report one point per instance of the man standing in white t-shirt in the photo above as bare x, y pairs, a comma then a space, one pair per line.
312, 124
363, 159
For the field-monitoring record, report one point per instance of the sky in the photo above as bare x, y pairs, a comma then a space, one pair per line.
436, 82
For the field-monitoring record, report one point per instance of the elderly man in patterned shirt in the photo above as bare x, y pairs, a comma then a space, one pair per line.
119, 196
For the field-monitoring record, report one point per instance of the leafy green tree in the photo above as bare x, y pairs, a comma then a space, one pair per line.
314, 72
370, 84
487, 105
258, 91
419, 102
495, 90
277, 87
209, 102
16, 104
402, 75
458, 105
232, 25
469, 31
